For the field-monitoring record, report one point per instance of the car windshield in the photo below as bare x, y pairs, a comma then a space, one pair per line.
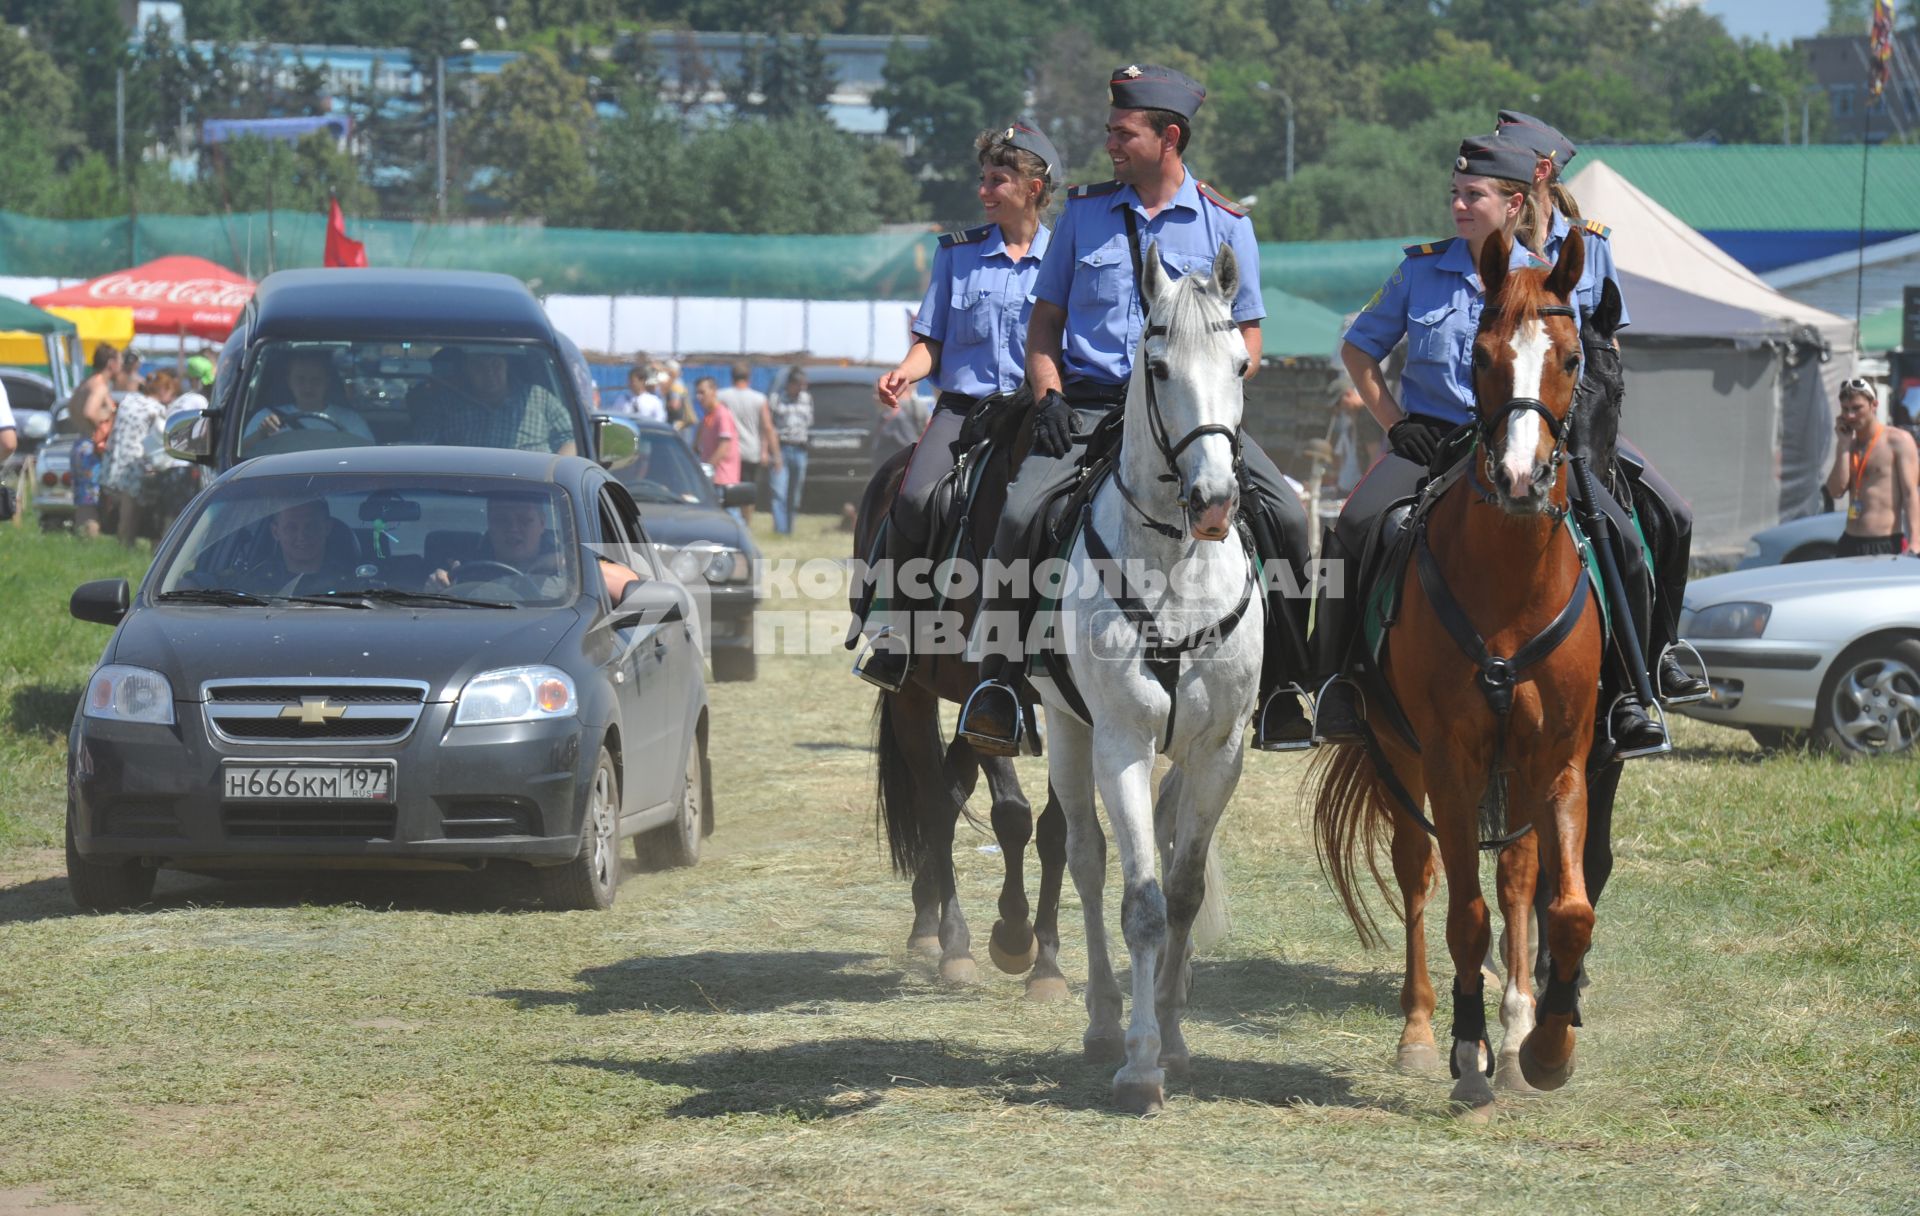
302, 395
358, 539
663, 470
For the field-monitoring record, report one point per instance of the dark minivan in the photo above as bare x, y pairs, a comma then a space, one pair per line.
374, 358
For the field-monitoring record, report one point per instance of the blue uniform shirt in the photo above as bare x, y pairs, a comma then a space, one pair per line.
1089, 272
1433, 300
1598, 267
977, 308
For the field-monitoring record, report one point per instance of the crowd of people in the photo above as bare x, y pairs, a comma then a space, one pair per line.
117, 415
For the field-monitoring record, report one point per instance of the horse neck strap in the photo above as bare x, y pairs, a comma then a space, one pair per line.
1133, 249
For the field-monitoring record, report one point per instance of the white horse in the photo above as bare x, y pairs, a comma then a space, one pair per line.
1189, 692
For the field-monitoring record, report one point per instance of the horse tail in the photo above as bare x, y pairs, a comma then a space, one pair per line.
1212, 924
1352, 820
896, 810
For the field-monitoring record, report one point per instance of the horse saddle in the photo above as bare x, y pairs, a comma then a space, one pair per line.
1047, 531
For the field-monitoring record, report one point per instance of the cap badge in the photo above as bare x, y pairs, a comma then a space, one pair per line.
1132, 70
1460, 164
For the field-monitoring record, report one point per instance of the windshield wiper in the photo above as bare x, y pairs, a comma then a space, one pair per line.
211, 595
399, 595
332, 599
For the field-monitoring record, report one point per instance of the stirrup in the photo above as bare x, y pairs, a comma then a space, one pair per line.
1359, 703
869, 652
1656, 715
1303, 700
988, 743
1706, 677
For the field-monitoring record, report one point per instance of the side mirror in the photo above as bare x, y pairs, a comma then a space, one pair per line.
739, 494
103, 601
36, 426
614, 443
189, 435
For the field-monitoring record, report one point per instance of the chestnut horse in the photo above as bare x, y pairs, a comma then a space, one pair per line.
1503, 741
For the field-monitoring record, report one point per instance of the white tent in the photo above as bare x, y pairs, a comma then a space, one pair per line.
1727, 390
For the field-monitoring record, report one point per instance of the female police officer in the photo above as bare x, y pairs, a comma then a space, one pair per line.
1434, 300
971, 331
1656, 502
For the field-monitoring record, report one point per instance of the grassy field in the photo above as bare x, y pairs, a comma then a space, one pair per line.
752, 1034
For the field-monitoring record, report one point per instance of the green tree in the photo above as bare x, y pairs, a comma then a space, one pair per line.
247, 174
1460, 76
782, 78
88, 41
788, 176
972, 77
530, 131
1847, 17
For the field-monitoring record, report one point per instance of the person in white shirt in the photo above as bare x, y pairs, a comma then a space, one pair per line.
644, 402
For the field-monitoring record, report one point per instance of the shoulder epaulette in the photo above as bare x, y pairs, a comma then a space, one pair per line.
1427, 248
964, 236
1217, 199
1596, 228
1092, 189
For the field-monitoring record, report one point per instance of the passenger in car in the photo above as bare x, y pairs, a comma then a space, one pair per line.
307, 540
517, 537
490, 410
316, 402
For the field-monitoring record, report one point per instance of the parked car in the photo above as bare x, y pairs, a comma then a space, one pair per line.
1828, 650
351, 663
53, 474
707, 549
408, 357
1810, 538
840, 451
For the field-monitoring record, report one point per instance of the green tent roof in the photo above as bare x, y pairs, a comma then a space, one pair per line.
1297, 328
17, 316
1772, 187
1880, 330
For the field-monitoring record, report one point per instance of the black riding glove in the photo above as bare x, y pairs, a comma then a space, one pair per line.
1417, 439
1052, 425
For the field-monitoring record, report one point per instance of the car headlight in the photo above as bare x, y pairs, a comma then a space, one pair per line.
517, 694
1752, 549
707, 563
119, 693
1739, 619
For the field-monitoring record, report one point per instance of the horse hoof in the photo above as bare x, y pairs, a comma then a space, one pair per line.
1539, 1075
1418, 1058
1046, 988
1509, 1077
927, 944
1472, 1098
957, 970
1103, 1048
1013, 961
1139, 1097
1176, 1067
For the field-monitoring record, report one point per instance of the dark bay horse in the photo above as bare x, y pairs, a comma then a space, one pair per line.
923, 782
1495, 658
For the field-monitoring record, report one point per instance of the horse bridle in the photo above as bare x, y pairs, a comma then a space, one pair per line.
1169, 450
1559, 428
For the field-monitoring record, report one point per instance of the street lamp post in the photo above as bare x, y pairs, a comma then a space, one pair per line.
1286, 99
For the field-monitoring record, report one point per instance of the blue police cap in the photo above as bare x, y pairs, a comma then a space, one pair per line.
1148, 86
1541, 137
1497, 155
1029, 138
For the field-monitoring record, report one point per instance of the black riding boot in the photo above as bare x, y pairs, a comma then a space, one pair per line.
1337, 710
1280, 721
1676, 683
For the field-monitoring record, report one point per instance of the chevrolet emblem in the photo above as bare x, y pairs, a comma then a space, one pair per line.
314, 711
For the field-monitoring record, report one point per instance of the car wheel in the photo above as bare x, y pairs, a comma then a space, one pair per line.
1814, 551
590, 881
1870, 702
106, 886
735, 665
677, 844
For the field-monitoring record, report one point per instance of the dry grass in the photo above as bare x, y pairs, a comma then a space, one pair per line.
751, 1034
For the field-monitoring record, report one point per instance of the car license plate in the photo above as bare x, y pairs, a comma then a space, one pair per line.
308, 781
834, 443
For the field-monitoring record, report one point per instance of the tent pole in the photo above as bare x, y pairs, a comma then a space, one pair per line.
1860, 267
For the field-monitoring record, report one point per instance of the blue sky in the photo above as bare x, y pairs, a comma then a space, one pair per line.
1779, 21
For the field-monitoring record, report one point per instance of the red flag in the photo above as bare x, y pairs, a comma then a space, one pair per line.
340, 250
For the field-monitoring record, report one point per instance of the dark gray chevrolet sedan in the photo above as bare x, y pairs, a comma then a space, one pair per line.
402, 657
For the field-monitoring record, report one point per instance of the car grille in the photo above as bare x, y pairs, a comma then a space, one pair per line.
339, 710
343, 821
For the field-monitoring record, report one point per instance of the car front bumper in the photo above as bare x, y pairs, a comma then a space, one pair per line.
459, 796
1761, 683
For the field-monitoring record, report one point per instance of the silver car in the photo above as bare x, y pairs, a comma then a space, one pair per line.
1807, 539
1827, 650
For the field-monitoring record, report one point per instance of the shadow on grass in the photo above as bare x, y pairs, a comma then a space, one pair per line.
47, 898
1729, 755
44, 711
833, 747
1258, 991
827, 1078
717, 981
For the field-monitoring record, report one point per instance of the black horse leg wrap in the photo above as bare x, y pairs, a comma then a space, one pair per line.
1469, 1025
1562, 997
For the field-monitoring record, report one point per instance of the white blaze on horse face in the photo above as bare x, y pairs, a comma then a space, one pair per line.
1530, 344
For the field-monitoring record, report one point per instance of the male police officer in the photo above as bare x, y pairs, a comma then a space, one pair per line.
1086, 324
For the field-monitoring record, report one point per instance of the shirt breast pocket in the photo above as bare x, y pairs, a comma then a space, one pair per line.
1434, 336
1103, 276
972, 317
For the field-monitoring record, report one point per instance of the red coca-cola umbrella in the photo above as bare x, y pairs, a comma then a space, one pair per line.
172, 295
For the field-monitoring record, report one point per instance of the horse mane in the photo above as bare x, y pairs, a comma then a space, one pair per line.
1191, 313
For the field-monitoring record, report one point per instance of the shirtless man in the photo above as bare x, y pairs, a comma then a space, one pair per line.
1878, 468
